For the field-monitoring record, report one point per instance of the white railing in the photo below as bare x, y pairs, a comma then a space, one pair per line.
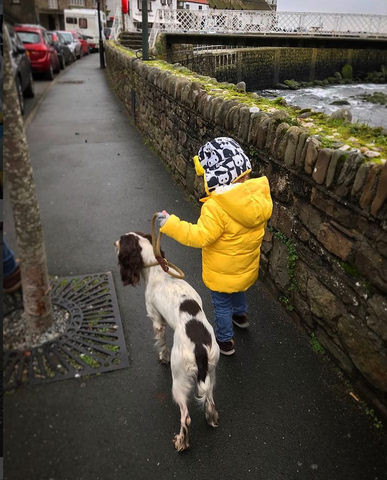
118, 25
261, 23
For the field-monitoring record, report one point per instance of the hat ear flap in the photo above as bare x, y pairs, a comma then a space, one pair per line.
198, 168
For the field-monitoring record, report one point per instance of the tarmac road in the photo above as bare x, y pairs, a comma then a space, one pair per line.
284, 412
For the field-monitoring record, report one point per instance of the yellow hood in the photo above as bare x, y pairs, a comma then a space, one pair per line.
247, 203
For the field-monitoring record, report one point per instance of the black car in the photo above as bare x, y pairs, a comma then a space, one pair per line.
64, 53
21, 66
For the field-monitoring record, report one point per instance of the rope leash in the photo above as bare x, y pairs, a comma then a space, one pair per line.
163, 262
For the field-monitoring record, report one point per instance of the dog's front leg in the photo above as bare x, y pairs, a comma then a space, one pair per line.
159, 328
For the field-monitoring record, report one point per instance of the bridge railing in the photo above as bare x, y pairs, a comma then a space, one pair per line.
258, 22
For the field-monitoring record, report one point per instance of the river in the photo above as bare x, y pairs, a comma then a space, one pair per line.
320, 98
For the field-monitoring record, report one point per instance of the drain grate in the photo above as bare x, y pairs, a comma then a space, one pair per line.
72, 82
93, 341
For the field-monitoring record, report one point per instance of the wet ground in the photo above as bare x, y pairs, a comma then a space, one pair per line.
284, 412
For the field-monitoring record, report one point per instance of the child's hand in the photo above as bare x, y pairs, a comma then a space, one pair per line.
162, 217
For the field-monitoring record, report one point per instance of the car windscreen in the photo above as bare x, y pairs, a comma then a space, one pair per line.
29, 37
67, 36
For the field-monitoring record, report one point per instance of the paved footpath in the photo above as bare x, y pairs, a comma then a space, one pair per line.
284, 413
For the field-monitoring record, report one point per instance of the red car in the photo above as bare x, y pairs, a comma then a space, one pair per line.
43, 56
82, 40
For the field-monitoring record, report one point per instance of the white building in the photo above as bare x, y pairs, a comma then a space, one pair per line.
193, 5
135, 9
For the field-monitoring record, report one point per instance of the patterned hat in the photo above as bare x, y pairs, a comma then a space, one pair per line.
222, 162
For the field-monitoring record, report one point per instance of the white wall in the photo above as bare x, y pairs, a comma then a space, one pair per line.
136, 14
195, 6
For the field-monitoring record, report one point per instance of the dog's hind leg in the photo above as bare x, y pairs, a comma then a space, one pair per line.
159, 328
181, 388
212, 415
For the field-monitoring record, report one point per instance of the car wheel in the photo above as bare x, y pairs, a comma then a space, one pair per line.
63, 63
74, 58
80, 54
30, 90
57, 69
20, 94
50, 73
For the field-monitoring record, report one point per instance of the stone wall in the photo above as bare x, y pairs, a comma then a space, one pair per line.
325, 250
265, 67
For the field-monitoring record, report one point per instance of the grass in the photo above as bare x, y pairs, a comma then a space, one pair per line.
316, 345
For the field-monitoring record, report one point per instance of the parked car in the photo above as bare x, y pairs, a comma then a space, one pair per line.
21, 66
43, 56
72, 43
82, 40
63, 51
107, 32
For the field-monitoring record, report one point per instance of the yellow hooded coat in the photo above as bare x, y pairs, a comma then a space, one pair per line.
230, 230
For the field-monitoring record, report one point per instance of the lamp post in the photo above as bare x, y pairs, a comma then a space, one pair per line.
145, 55
101, 49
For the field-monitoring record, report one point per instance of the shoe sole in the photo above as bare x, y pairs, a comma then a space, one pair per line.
241, 325
228, 353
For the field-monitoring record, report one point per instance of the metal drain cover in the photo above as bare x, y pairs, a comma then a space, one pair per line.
93, 341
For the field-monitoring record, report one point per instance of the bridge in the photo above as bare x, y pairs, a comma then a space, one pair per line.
260, 28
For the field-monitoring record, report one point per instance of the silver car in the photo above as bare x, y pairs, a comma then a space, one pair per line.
72, 43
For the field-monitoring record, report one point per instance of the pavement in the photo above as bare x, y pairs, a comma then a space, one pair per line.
284, 412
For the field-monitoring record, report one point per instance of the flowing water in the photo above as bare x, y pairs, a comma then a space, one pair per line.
320, 98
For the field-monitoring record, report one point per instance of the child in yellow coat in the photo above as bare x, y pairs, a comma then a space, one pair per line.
229, 231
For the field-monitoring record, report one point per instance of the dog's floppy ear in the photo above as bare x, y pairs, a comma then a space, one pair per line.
130, 260
149, 238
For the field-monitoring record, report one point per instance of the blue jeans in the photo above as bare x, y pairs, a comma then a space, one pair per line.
9, 262
225, 305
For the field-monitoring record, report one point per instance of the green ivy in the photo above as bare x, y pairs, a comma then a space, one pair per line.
292, 257
316, 345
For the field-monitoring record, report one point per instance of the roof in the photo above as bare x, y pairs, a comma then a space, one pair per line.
239, 4
202, 2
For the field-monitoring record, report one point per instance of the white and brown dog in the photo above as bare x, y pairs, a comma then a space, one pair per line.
195, 353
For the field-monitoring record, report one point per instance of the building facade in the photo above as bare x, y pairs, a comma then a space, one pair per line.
48, 13
193, 5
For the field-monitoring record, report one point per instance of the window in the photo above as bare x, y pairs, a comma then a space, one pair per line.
163, 2
139, 5
29, 37
200, 7
187, 6
82, 23
53, 4
71, 20
79, 3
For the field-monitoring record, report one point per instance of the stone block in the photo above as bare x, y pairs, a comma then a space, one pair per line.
243, 126
334, 241
278, 267
333, 208
371, 265
262, 132
377, 315
190, 180
256, 119
370, 187
365, 349
323, 303
340, 356
309, 216
360, 179
311, 154
381, 192
348, 173
276, 118
337, 161
301, 150
282, 219
322, 164
292, 138
279, 145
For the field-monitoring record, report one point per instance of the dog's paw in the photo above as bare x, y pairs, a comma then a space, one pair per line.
213, 419
180, 442
165, 357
